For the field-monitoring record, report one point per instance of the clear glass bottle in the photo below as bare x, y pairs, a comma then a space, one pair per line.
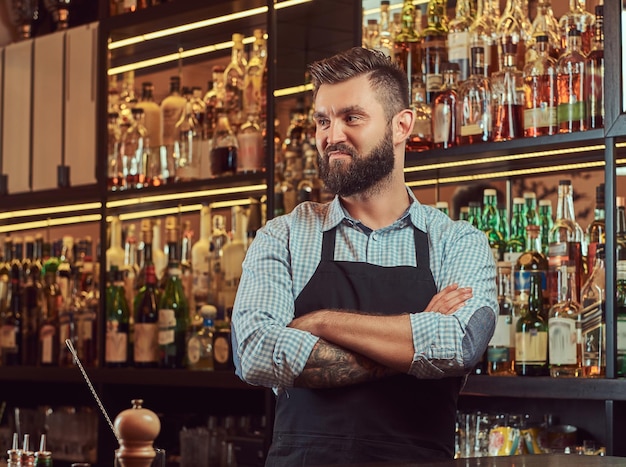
372, 37
531, 334
564, 331
173, 308
136, 156
594, 74
577, 17
544, 24
386, 40
540, 90
508, 97
200, 345
234, 76
484, 34
571, 86
188, 142
475, 96
214, 99
224, 148
593, 320
115, 168
596, 230
250, 153
153, 119
501, 349
406, 45
115, 252
421, 138
565, 238
458, 38
117, 348
446, 115
513, 28
310, 187
172, 107
434, 48
200, 256
254, 75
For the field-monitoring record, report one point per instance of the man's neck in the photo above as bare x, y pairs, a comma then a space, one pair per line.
380, 208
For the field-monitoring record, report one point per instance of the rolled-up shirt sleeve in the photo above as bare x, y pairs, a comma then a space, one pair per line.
450, 345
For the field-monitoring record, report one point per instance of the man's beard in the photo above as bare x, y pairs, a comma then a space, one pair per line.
360, 175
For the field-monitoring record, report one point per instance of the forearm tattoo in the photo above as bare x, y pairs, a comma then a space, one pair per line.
332, 366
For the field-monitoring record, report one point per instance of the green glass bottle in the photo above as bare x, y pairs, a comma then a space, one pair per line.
531, 334
490, 222
517, 237
621, 318
174, 308
116, 351
546, 221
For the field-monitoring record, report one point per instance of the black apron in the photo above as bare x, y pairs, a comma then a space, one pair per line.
400, 418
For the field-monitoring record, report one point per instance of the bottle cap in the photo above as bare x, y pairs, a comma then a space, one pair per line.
518, 200
565, 182
545, 202
441, 204
489, 192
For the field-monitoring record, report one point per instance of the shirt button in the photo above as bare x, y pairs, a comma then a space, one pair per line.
374, 237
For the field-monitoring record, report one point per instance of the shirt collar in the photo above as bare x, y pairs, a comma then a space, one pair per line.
336, 214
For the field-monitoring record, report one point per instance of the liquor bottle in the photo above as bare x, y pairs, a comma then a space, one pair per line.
406, 45
115, 252
233, 254
200, 345
458, 38
116, 348
577, 17
503, 226
421, 138
593, 319
11, 319
172, 107
508, 97
564, 332
87, 319
137, 156
372, 37
464, 213
173, 309
130, 269
516, 244
48, 354
474, 215
33, 302
434, 47
68, 318
158, 254
621, 317
475, 97
545, 223
250, 153
594, 74
188, 142
186, 277
544, 24
310, 187
446, 116
214, 98
5, 273
530, 208
217, 241
540, 89
224, 148
386, 41
565, 238
153, 121
234, 75
513, 28
146, 313
596, 231
531, 334
490, 221
571, 113
483, 34
200, 255
115, 167
620, 228
501, 348
529, 262
222, 346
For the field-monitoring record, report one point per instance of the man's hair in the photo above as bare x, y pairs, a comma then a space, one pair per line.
387, 79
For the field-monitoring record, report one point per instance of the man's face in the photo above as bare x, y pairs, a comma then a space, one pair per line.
353, 137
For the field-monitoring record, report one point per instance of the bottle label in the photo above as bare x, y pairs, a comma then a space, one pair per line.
116, 350
498, 354
433, 82
593, 335
621, 333
146, 343
84, 325
563, 341
193, 350
221, 349
47, 335
8, 337
471, 129
531, 347
167, 326
540, 117
502, 336
573, 112
595, 90
442, 123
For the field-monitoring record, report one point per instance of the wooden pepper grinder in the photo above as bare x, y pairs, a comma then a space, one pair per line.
136, 428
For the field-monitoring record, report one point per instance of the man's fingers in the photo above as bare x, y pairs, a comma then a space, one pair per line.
449, 299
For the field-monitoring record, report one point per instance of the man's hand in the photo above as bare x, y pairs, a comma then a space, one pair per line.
449, 299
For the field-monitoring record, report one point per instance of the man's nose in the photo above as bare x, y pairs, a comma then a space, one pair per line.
335, 133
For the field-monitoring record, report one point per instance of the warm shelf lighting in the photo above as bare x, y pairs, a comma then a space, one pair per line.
392, 7
201, 24
187, 195
180, 210
293, 90
49, 210
54, 222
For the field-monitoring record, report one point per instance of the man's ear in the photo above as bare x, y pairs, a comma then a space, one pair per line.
403, 123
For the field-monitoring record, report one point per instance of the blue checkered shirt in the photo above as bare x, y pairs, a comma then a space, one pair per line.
286, 253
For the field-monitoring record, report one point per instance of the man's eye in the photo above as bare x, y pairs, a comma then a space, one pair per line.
352, 118
322, 122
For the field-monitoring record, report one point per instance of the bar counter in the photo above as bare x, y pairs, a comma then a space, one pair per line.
548, 460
